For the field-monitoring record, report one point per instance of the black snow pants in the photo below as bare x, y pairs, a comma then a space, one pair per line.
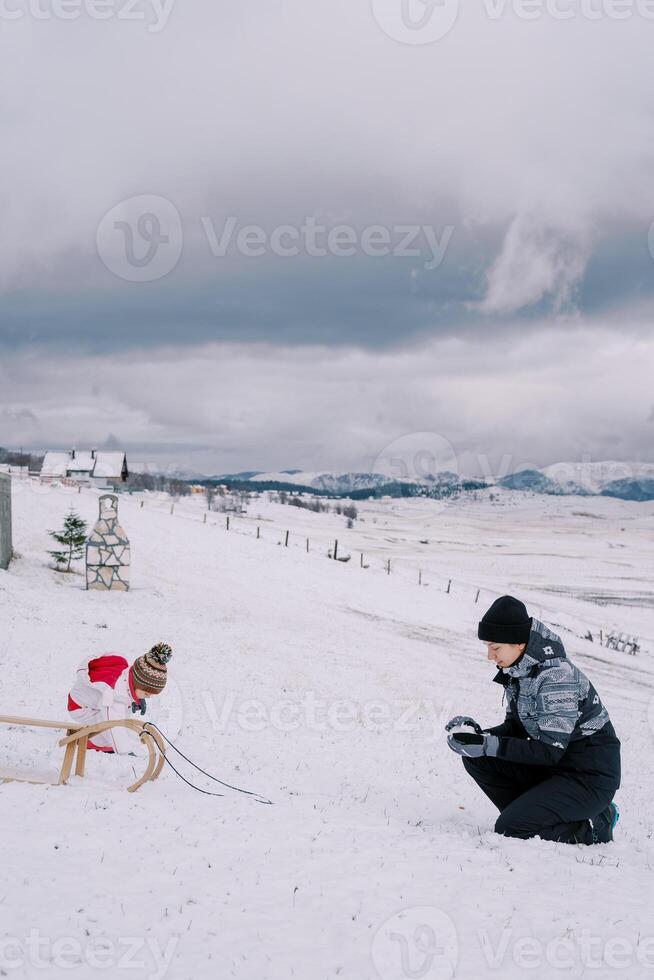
537, 801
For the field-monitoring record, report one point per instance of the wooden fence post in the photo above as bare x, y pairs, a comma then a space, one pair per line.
361, 560
286, 540
258, 533
307, 546
388, 567
336, 549
227, 520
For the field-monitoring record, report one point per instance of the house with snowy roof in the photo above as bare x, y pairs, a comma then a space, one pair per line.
92, 467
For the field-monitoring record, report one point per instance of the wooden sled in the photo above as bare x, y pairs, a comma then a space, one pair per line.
76, 742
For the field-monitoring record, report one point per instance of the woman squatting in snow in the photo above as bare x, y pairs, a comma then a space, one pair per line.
553, 766
108, 689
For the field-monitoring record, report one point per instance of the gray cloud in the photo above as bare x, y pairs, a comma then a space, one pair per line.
374, 302
254, 405
290, 109
540, 162
22, 417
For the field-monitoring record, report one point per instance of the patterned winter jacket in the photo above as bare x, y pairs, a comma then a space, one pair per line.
554, 715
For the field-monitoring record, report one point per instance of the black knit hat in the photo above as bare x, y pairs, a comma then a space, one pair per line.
507, 621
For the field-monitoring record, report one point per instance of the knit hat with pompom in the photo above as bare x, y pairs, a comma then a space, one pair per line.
150, 672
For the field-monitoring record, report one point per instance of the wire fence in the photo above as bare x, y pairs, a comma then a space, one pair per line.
347, 552
337, 548
353, 551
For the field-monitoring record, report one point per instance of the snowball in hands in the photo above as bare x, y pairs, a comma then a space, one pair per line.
463, 723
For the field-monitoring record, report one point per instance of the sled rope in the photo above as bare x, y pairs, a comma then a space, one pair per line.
246, 792
185, 780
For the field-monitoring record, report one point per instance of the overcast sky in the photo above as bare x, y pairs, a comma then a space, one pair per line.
277, 234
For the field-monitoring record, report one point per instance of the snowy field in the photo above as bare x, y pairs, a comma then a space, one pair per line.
324, 686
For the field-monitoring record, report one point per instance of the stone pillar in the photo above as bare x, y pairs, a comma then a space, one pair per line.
107, 550
5, 520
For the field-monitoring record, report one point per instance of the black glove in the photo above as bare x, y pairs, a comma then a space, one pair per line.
139, 705
474, 745
461, 720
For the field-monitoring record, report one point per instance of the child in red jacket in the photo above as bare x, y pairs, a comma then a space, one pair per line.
108, 689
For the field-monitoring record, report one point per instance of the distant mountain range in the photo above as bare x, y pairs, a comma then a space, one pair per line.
626, 481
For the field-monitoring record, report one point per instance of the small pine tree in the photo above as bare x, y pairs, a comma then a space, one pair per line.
72, 539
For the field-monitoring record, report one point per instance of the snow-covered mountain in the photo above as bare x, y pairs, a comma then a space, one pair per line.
327, 482
630, 481
626, 480
587, 477
443, 484
535, 481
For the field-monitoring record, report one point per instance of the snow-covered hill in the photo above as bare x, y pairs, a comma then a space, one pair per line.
324, 686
